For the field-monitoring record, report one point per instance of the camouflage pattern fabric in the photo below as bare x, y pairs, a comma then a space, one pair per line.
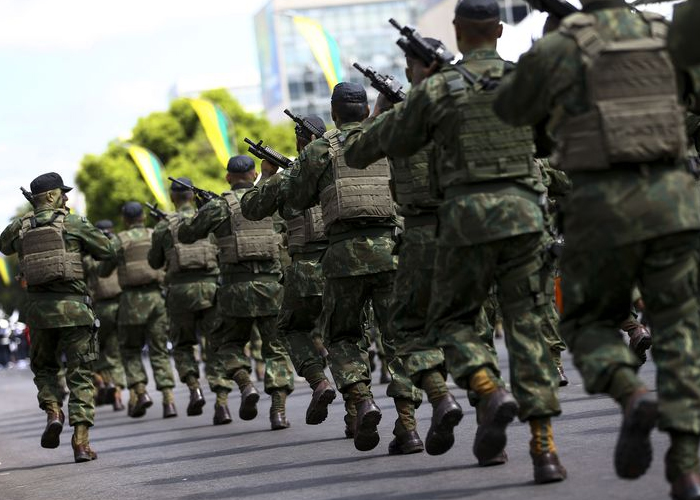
110, 365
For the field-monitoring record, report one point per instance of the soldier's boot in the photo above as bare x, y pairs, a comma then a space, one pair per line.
547, 467
197, 400
633, 452
446, 413
54, 425
366, 436
169, 410
406, 439
350, 418
141, 401
563, 379
81, 444
372, 356
222, 415
640, 338
682, 467
117, 405
110, 393
278, 417
321, 398
495, 411
249, 395
100, 389
384, 375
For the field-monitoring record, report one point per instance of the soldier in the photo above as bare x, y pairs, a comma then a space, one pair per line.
105, 295
490, 229
303, 279
191, 279
682, 39
632, 218
142, 318
50, 242
359, 218
250, 292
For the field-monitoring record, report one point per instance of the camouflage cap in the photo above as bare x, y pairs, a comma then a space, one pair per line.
240, 164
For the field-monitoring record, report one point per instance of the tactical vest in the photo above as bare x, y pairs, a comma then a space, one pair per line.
200, 255
44, 255
104, 288
249, 239
635, 115
411, 180
305, 229
133, 269
355, 194
487, 148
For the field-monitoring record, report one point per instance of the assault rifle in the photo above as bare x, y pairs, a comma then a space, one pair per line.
203, 196
555, 8
27, 195
384, 84
156, 212
411, 42
304, 128
269, 154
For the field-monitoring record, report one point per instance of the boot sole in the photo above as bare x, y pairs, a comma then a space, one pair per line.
84, 458
441, 436
248, 410
51, 438
633, 452
549, 474
194, 409
407, 448
491, 438
140, 411
317, 413
366, 436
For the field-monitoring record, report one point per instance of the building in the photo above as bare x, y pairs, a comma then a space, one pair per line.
243, 86
291, 77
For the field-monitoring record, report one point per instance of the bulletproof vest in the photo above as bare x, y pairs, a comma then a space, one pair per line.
355, 194
133, 269
305, 229
200, 255
104, 288
487, 149
635, 115
44, 256
249, 239
411, 179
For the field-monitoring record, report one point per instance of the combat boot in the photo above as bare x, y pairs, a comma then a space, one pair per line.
563, 379
323, 396
142, 401
278, 419
110, 391
222, 415
406, 439
197, 402
350, 419
682, 466
545, 461
169, 410
640, 338
54, 425
117, 405
633, 452
496, 410
446, 416
81, 445
368, 417
686, 487
249, 400
384, 375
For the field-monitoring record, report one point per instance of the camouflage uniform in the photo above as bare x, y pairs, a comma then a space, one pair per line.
61, 319
626, 224
142, 320
303, 280
682, 39
190, 300
249, 294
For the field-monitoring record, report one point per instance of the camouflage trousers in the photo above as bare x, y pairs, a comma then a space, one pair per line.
462, 279
109, 366
343, 300
597, 286
151, 330
80, 346
301, 308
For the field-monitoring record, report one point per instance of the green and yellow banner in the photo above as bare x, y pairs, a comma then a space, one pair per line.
324, 48
152, 172
215, 124
4, 271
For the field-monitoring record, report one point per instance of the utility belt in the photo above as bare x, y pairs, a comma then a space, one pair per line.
498, 187
411, 221
233, 278
73, 297
370, 232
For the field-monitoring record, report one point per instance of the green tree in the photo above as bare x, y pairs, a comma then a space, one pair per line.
110, 179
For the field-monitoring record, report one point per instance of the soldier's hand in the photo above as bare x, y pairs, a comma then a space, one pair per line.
383, 104
267, 169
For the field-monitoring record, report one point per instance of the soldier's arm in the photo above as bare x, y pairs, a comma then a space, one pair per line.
92, 241
559, 183
156, 254
207, 220
262, 200
107, 267
10, 237
300, 188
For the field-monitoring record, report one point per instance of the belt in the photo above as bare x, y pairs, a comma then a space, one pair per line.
230, 279
307, 255
370, 232
411, 221
501, 188
73, 297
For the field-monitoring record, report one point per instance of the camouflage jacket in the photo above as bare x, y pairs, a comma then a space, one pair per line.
80, 236
197, 289
626, 205
355, 256
428, 114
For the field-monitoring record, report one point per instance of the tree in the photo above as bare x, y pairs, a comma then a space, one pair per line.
110, 179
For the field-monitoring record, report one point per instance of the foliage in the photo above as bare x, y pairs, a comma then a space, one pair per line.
176, 137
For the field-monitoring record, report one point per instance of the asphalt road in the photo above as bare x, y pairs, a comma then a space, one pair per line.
187, 458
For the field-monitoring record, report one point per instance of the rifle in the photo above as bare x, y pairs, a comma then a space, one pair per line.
304, 127
411, 42
384, 84
203, 196
269, 154
156, 212
556, 8
27, 195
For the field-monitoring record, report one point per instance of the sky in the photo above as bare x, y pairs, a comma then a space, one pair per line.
76, 74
